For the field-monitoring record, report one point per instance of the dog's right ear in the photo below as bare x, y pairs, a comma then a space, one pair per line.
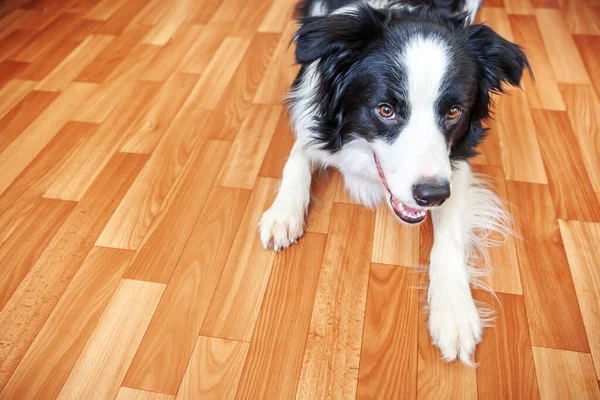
323, 36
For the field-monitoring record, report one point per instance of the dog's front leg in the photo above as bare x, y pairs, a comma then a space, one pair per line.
283, 223
454, 322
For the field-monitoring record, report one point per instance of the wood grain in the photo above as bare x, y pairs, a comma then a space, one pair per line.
234, 309
552, 366
323, 190
581, 244
126, 393
108, 352
388, 362
24, 314
564, 166
552, 308
332, 355
281, 144
584, 114
506, 368
48, 362
185, 302
589, 48
165, 241
214, 370
244, 161
394, 242
12, 93
272, 368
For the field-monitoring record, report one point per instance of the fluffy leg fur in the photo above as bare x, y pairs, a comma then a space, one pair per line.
463, 228
283, 223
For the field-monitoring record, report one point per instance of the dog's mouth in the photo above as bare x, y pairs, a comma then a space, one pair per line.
405, 213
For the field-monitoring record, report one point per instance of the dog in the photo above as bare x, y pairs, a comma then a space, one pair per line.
394, 95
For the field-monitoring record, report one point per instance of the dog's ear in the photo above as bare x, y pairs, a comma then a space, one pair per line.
323, 36
501, 62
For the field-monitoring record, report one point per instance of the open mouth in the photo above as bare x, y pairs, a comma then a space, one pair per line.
402, 211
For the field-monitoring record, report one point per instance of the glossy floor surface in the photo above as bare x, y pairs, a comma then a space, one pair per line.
140, 141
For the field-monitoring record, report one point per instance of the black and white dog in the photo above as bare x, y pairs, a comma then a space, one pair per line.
393, 94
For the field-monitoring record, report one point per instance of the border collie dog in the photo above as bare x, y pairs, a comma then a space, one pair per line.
393, 95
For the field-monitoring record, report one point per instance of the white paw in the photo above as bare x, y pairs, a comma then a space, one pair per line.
279, 228
454, 323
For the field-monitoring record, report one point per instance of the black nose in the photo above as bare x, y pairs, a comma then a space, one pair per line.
431, 193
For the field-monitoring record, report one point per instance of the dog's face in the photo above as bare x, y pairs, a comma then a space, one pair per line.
414, 85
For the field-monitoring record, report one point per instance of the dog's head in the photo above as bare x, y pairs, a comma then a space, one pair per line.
414, 85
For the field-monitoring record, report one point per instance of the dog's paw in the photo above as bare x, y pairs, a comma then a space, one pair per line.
280, 228
454, 324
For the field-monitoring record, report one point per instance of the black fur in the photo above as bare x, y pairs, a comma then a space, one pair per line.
358, 69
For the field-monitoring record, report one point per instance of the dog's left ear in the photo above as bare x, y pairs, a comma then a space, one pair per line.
501, 61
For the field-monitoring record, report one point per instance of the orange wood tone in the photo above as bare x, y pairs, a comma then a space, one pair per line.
165, 241
49, 360
388, 362
506, 368
183, 307
214, 370
140, 143
272, 368
331, 358
563, 165
552, 308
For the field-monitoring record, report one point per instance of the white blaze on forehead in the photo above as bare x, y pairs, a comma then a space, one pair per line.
425, 61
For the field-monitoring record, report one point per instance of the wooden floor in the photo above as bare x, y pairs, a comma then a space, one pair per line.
140, 141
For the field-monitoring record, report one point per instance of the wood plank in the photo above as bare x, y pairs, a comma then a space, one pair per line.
564, 166
245, 159
22, 114
521, 155
119, 84
15, 158
74, 63
13, 42
162, 246
123, 19
48, 362
552, 366
84, 165
214, 370
323, 190
103, 10
506, 277
519, 7
111, 347
159, 365
589, 48
583, 108
394, 242
272, 368
490, 151
126, 393
205, 13
148, 129
236, 102
202, 51
176, 14
275, 19
544, 92
19, 199
388, 359
218, 73
27, 310
506, 368
581, 244
168, 58
332, 356
581, 17
234, 309
109, 59
279, 149
9, 69
436, 378
281, 72
564, 57
24, 246
552, 309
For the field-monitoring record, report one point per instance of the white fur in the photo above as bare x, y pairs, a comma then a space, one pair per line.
461, 228
318, 8
420, 152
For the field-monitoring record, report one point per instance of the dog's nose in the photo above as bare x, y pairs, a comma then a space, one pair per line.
431, 194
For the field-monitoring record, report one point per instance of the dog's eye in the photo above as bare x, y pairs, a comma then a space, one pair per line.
386, 111
454, 113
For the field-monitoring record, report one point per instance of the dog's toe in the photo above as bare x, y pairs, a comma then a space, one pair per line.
278, 228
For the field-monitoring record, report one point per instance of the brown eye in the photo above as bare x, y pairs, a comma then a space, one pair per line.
385, 110
454, 113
